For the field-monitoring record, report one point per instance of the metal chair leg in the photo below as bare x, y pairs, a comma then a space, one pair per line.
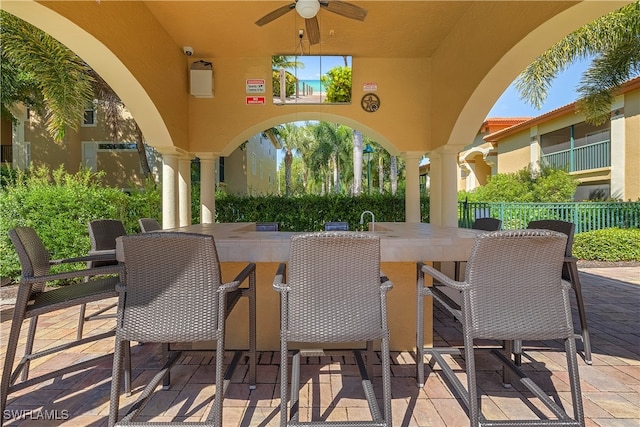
572, 267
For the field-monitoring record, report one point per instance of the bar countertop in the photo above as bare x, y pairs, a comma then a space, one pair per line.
400, 241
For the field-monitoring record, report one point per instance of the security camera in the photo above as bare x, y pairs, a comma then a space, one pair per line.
188, 50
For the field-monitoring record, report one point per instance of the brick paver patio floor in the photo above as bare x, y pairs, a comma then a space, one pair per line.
332, 391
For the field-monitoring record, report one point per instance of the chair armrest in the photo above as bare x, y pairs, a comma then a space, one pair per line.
385, 284
570, 259
97, 271
229, 286
278, 281
442, 278
105, 255
241, 277
244, 274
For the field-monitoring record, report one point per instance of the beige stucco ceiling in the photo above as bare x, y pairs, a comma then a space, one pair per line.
439, 65
393, 29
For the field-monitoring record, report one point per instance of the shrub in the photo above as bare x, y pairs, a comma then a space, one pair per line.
310, 212
549, 185
58, 205
337, 83
610, 244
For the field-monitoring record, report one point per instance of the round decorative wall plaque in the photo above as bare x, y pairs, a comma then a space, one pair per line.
370, 102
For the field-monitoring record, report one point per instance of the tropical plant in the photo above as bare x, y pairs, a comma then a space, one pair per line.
293, 138
614, 42
281, 62
47, 77
330, 154
63, 80
337, 83
548, 185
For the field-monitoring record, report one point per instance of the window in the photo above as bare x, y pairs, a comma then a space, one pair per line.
221, 169
253, 163
89, 117
109, 146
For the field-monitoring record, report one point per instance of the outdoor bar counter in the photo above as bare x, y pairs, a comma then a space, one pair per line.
401, 246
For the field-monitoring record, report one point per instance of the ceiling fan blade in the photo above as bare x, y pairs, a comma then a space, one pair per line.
313, 30
348, 10
275, 14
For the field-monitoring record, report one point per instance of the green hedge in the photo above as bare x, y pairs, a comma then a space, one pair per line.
59, 206
309, 212
610, 244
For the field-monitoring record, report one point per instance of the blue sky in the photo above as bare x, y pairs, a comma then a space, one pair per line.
313, 67
562, 92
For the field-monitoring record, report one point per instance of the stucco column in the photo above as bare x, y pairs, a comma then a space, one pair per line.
443, 206
618, 149
184, 191
534, 149
169, 190
435, 187
412, 190
207, 188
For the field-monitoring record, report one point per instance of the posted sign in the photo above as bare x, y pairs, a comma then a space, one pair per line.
255, 100
370, 86
255, 85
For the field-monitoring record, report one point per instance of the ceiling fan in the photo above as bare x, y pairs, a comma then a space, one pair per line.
308, 9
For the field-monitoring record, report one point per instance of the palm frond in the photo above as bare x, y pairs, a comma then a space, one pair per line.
593, 39
608, 72
62, 77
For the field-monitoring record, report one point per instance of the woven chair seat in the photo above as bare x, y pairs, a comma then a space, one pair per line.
71, 295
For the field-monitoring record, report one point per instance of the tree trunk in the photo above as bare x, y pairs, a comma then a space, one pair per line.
288, 159
394, 174
142, 153
357, 162
380, 173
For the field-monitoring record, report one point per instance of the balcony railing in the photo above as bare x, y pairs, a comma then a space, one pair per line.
591, 156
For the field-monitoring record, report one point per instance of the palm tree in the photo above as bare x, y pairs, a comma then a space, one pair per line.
614, 42
62, 78
63, 82
333, 145
292, 137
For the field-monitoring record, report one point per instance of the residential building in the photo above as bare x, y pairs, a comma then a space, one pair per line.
251, 168
90, 146
605, 159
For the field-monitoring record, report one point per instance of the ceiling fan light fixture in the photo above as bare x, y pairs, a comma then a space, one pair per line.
307, 8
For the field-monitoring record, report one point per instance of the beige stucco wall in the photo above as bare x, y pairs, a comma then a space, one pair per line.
632, 146
513, 152
121, 167
239, 173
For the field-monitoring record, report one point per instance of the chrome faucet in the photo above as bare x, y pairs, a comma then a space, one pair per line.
373, 219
